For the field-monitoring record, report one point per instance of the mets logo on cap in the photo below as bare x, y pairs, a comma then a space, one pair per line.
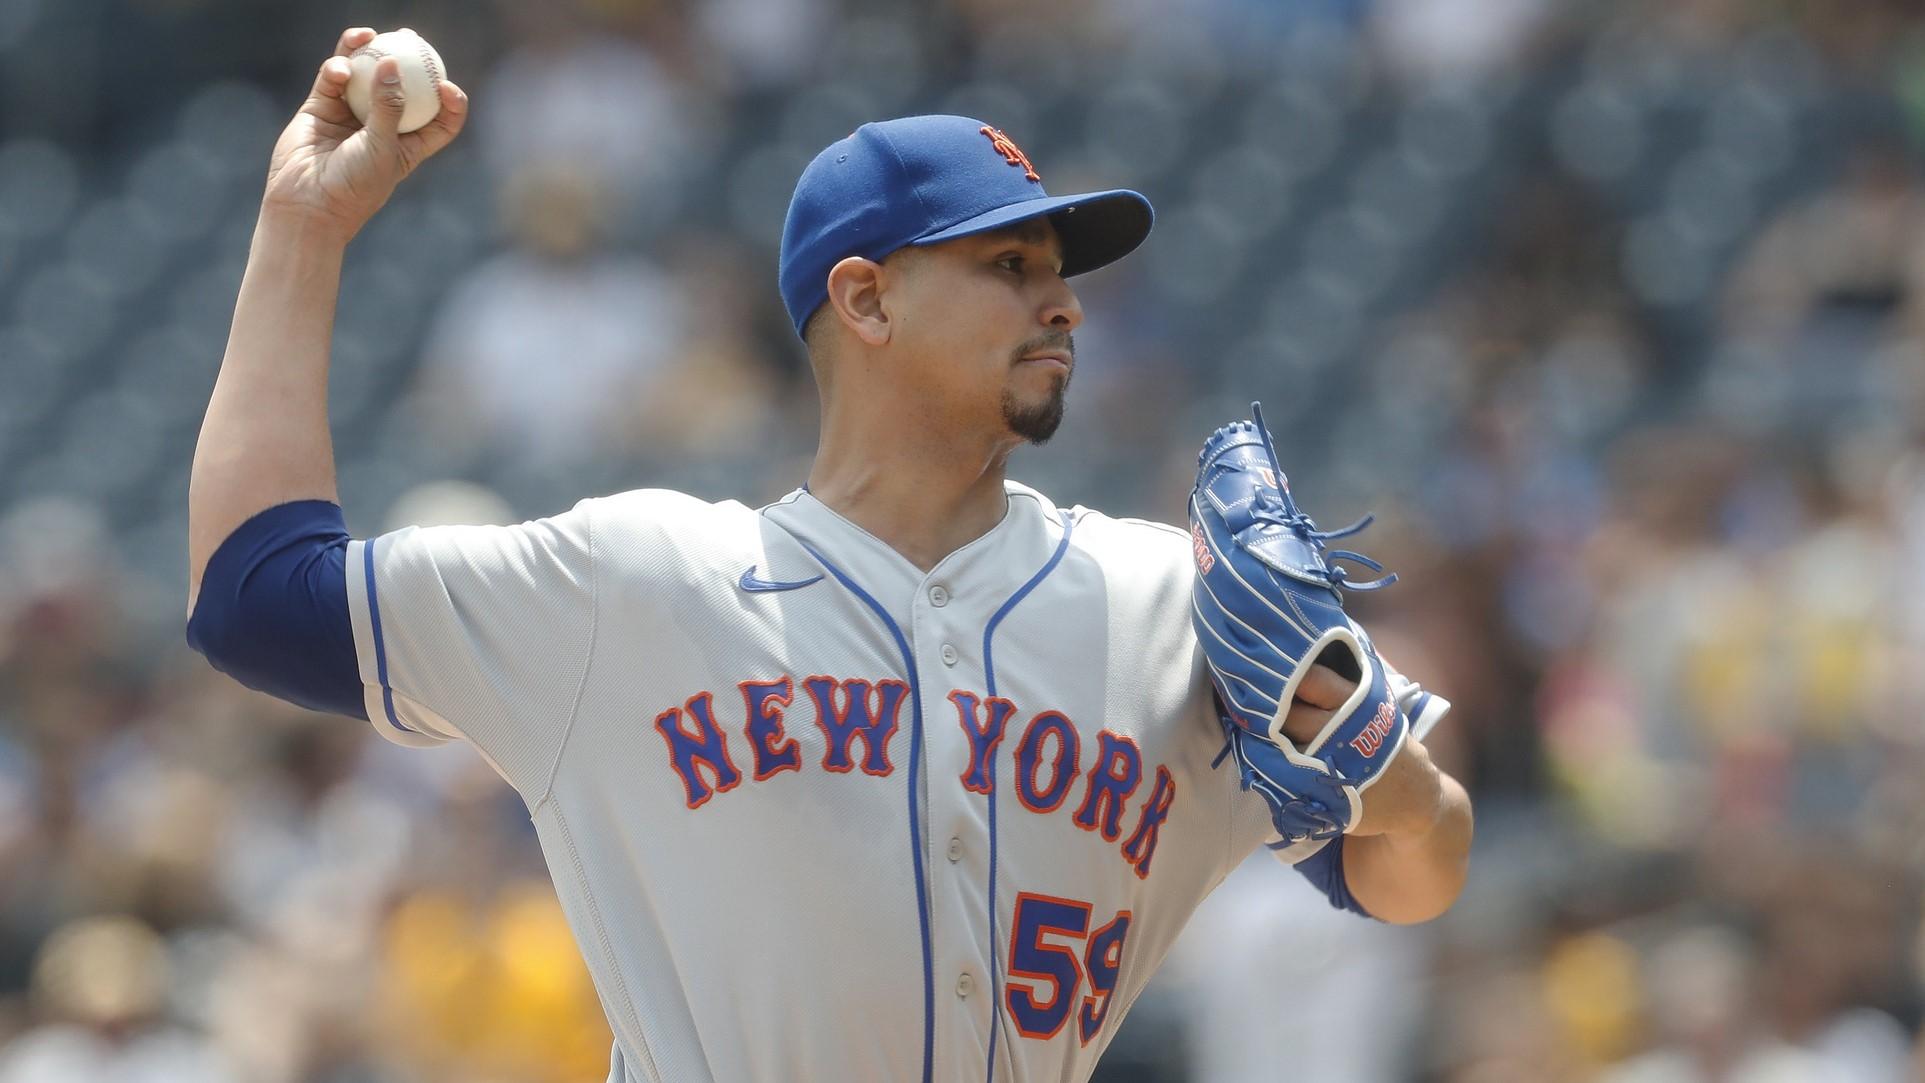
1011, 153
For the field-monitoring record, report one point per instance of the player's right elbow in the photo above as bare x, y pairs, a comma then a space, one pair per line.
272, 610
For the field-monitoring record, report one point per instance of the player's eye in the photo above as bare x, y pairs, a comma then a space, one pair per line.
1011, 263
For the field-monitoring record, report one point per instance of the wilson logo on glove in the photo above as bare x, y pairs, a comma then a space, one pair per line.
1372, 738
1204, 561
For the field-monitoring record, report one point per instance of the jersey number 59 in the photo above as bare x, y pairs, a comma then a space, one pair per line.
1052, 951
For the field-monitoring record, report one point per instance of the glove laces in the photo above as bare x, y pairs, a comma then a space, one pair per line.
1268, 507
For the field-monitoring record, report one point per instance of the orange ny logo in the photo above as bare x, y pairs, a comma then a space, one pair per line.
1011, 153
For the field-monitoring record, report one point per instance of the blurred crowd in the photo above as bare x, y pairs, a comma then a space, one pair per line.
1614, 314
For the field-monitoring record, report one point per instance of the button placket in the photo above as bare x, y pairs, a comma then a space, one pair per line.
951, 816
955, 812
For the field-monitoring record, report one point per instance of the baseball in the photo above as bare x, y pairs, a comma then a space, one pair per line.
421, 74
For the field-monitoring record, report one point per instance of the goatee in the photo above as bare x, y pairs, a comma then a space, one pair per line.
1036, 422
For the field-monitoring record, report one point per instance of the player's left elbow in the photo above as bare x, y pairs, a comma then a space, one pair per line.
1416, 908
1408, 881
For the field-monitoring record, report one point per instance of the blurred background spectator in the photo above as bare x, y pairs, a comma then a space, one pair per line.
547, 351
1615, 314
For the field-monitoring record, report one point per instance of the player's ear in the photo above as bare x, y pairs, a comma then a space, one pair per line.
855, 293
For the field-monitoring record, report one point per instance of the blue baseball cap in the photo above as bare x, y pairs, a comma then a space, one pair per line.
920, 180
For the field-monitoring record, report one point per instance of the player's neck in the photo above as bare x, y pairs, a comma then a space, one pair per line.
923, 499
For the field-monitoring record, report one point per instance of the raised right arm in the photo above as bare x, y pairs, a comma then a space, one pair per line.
265, 437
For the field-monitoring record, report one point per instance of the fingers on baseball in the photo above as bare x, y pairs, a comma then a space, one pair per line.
327, 101
387, 82
353, 38
332, 80
446, 124
384, 118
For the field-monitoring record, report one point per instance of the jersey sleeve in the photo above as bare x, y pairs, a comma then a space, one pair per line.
272, 611
478, 633
1319, 861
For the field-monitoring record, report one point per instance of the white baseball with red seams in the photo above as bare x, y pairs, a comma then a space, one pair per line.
814, 813
421, 75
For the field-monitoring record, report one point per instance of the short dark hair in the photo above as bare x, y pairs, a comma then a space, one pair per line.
812, 329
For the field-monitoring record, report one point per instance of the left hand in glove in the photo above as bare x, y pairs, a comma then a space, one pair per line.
1269, 616
1409, 791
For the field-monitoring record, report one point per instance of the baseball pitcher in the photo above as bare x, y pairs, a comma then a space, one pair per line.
913, 774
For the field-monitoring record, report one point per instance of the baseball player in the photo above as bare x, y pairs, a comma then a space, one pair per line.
913, 774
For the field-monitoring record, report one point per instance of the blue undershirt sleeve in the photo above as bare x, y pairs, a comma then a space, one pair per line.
273, 608
1325, 869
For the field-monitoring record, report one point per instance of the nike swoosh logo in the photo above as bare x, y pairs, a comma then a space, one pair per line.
756, 585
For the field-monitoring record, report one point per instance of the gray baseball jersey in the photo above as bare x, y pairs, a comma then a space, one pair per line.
813, 813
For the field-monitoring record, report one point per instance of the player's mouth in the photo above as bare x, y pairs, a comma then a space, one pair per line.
1059, 360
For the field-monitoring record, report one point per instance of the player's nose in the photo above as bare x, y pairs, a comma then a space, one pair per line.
1062, 311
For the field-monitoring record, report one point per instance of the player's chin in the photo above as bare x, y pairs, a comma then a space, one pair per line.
1035, 417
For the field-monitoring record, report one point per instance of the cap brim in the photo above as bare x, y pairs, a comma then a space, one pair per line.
1097, 228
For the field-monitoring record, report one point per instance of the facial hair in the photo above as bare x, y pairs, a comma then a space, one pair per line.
1036, 422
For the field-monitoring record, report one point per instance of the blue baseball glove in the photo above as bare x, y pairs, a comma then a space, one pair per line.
1267, 603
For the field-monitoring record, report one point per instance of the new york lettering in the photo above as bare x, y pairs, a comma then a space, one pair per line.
859, 721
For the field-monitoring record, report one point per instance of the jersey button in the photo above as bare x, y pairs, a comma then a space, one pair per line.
949, 655
965, 985
938, 597
955, 850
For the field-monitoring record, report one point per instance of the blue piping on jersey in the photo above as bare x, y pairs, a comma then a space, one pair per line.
380, 648
915, 818
989, 679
